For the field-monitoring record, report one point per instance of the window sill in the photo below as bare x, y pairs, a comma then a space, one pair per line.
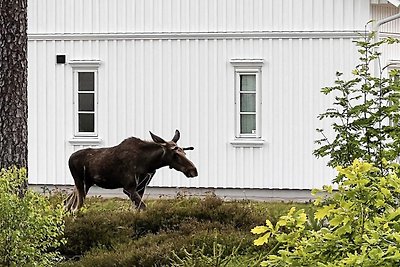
85, 141
247, 142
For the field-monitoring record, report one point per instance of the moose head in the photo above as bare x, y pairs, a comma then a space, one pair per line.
175, 156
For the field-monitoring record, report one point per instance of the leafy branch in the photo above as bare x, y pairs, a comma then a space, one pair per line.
365, 112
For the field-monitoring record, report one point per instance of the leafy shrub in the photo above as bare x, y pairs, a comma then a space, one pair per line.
31, 228
365, 114
359, 224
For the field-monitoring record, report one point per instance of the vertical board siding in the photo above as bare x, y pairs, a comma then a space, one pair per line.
112, 16
379, 12
188, 84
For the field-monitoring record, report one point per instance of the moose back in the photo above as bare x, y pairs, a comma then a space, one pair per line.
130, 165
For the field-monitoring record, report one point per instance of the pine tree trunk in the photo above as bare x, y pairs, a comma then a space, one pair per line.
13, 84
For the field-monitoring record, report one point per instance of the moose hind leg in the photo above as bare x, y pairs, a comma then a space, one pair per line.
135, 198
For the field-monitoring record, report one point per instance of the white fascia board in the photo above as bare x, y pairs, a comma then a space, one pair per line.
196, 35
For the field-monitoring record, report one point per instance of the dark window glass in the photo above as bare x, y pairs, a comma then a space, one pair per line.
247, 102
86, 102
247, 123
86, 123
86, 81
247, 82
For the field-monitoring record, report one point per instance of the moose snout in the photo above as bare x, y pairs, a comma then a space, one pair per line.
191, 172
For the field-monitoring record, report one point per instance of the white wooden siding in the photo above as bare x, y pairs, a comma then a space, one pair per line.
383, 11
165, 65
189, 84
112, 16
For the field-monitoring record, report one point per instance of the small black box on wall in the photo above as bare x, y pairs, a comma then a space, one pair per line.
60, 59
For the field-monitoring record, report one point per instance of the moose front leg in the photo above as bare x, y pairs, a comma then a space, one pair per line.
144, 182
135, 198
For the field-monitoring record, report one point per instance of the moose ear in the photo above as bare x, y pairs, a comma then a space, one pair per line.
176, 136
156, 138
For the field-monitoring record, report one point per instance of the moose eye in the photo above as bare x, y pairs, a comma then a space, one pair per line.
175, 148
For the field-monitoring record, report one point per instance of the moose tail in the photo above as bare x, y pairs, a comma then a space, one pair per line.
74, 200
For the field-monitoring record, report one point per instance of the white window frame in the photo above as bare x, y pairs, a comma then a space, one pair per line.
79, 66
248, 67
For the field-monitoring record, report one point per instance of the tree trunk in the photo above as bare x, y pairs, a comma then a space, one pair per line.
13, 84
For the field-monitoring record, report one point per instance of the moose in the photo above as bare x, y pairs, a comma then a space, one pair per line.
130, 165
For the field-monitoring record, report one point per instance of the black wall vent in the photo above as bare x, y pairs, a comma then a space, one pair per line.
60, 59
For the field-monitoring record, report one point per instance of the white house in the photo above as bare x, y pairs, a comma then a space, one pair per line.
240, 79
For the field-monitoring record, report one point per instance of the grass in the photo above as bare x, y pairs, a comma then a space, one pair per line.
181, 232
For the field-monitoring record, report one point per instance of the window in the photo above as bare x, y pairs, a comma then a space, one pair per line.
247, 98
247, 104
85, 98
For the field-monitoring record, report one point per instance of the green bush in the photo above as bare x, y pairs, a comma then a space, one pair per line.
31, 228
158, 249
168, 215
95, 228
151, 250
359, 224
103, 226
107, 232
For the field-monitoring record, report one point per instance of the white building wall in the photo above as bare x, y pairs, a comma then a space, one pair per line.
165, 65
379, 12
160, 85
111, 16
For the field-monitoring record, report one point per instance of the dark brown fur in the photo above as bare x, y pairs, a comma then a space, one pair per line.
130, 165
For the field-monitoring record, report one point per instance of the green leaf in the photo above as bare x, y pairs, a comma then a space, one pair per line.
324, 211
380, 203
344, 229
269, 224
396, 236
301, 218
315, 191
386, 192
262, 240
395, 257
337, 220
394, 214
283, 238
328, 188
259, 229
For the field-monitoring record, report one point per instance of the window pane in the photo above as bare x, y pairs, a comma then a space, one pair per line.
86, 81
247, 82
247, 124
86, 102
86, 123
248, 102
